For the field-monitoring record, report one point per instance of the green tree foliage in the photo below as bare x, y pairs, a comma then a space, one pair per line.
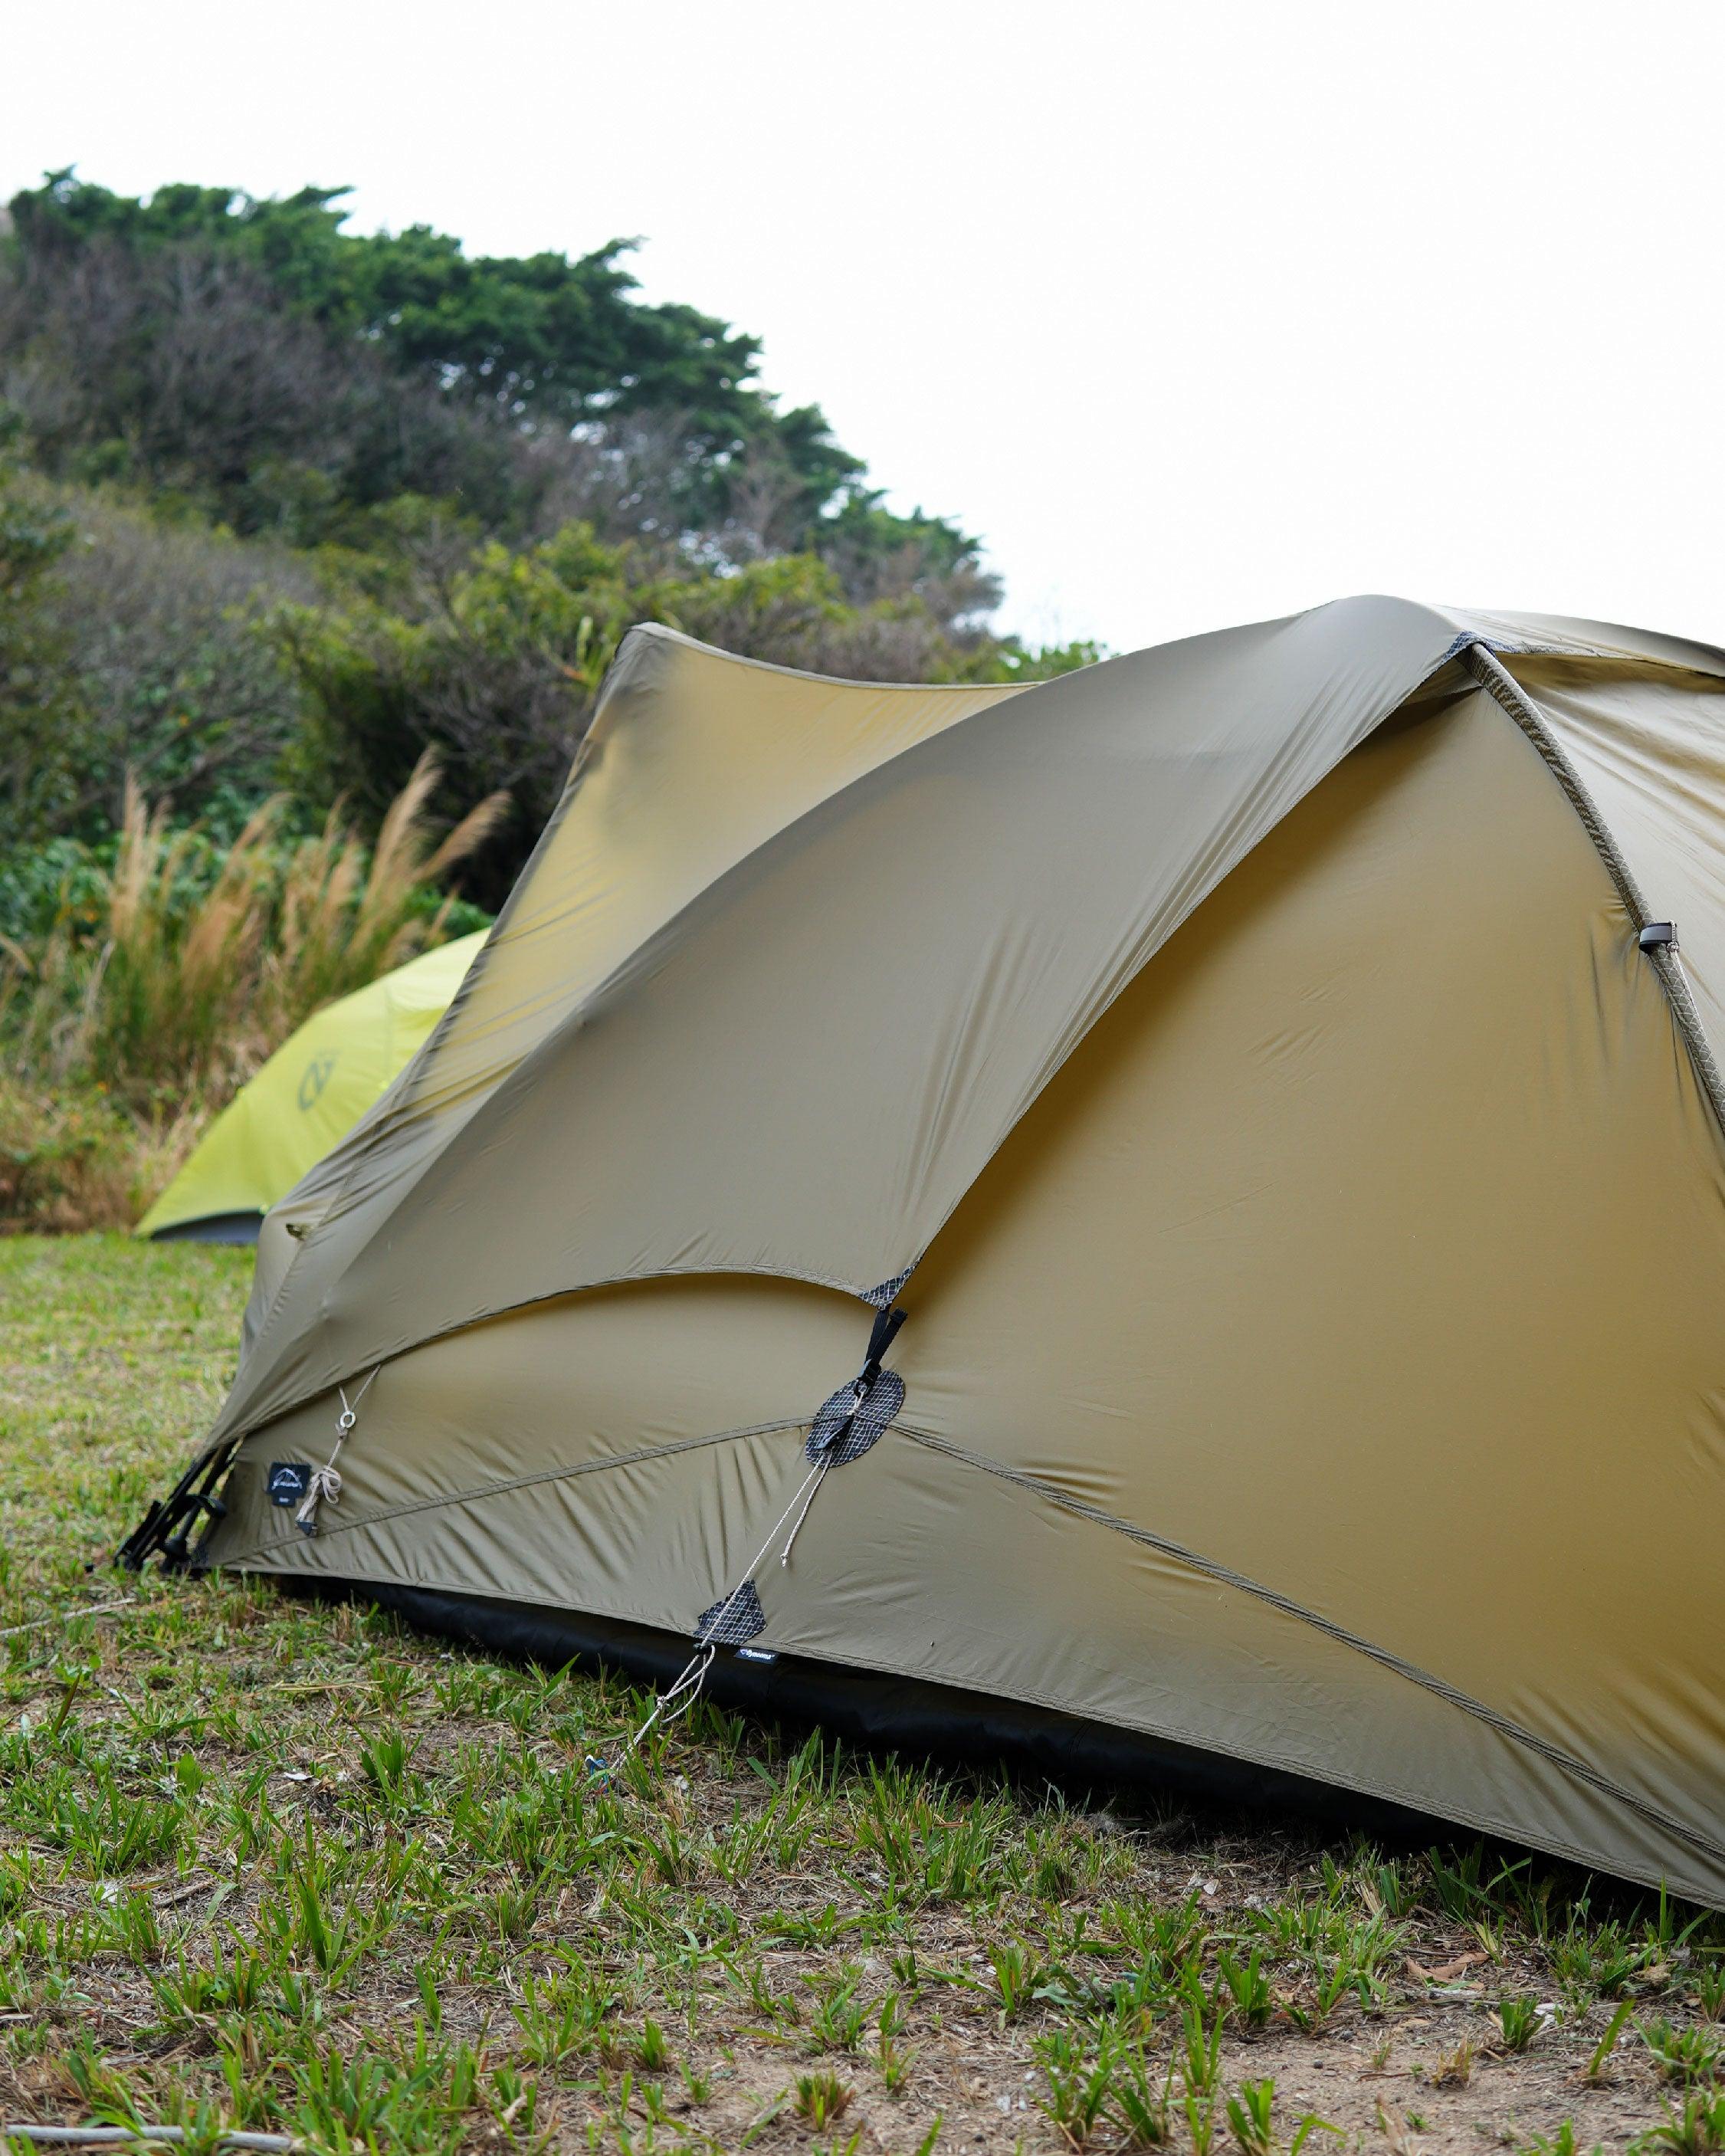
35, 656
287, 503
497, 662
541, 334
129, 643
354, 366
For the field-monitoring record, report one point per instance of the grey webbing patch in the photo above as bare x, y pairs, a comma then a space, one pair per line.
868, 1417
732, 1619
886, 1294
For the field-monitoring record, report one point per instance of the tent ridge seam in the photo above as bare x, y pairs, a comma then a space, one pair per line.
1501, 685
1554, 1754
483, 1490
395, 1349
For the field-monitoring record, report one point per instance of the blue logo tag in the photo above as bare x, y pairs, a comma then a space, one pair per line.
289, 1481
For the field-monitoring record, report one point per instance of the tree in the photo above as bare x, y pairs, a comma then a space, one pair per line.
37, 750
118, 298
338, 496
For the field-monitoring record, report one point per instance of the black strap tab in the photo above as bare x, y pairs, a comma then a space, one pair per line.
881, 1335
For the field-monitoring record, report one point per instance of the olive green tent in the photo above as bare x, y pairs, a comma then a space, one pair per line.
1262, 1071
309, 1094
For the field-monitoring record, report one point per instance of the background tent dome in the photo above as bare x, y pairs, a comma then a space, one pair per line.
308, 1095
1262, 1070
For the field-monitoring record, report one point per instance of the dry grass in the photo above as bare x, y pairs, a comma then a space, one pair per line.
171, 1000
286, 1865
115, 1050
344, 918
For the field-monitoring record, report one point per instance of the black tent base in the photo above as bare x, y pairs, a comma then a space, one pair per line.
877, 1713
212, 1228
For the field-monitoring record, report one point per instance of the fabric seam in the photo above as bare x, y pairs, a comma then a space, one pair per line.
1507, 693
1225, 1576
485, 1489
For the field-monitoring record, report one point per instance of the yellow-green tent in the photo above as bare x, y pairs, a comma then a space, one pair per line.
308, 1095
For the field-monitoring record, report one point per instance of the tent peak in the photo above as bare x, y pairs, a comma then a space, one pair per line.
1554, 635
646, 635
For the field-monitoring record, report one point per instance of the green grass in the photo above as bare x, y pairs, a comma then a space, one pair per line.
286, 1866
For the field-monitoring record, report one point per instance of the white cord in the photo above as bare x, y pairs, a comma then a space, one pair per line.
859, 1392
678, 1697
684, 1689
820, 1475
325, 1486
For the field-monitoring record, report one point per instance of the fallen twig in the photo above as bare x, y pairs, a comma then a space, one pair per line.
88, 2136
64, 1617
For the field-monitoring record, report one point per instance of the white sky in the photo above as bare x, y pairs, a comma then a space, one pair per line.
1198, 313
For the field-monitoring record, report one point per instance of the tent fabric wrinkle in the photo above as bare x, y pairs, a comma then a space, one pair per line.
1065, 839
1240, 1060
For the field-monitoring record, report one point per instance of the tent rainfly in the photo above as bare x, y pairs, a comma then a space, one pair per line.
311, 1093
1262, 1073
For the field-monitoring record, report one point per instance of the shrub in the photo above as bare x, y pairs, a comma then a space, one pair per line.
68, 1161
497, 656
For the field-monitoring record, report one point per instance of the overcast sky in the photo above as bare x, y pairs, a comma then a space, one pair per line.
1198, 314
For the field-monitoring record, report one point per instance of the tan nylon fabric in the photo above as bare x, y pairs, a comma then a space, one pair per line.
816, 1043
693, 759
806, 1068
1649, 745
1369, 1250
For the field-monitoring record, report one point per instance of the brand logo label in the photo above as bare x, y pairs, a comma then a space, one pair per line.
289, 1481
316, 1077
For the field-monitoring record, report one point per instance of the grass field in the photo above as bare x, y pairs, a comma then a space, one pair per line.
288, 1868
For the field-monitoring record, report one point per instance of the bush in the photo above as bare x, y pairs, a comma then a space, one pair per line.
173, 676
68, 1160
129, 643
496, 655
36, 708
